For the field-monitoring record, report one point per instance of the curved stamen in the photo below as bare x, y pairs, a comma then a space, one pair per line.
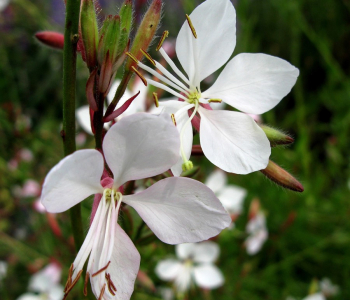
170, 76
166, 88
161, 77
173, 66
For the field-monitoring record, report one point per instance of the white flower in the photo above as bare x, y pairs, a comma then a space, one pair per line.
3, 4
317, 296
176, 209
194, 264
328, 288
137, 105
231, 196
252, 83
3, 270
46, 284
257, 230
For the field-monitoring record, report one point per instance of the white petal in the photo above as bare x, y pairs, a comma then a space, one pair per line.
185, 251
184, 279
255, 242
216, 181
140, 146
113, 90
257, 223
28, 296
254, 83
125, 264
56, 292
180, 210
74, 178
233, 141
206, 252
232, 198
208, 276
83, 118
317, 296
168, 269
215, 24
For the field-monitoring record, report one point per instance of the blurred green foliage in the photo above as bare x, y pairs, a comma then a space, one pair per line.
314, 243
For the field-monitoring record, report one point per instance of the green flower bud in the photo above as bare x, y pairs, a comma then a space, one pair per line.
89, 31
145, 32
125, 14
276, 137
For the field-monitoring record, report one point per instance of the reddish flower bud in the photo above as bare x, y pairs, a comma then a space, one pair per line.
280, 176
51, 39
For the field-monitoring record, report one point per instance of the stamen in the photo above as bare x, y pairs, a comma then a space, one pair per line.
173, 119
162, 78
73, 284
155, 97
69, 280
101, 270
140, 75
191, 26
148, 57
102, 292
112, 284
214, 100
109, 282
164, 36
173, 66
166, 88
86, 283
132, 57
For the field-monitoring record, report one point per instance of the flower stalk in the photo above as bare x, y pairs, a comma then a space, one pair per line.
71, 37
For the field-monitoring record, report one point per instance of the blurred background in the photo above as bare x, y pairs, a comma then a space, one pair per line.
308, 233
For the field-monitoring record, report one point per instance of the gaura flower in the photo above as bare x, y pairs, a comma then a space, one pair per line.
44, 285
230, 196
258, 234
176, 209
252, 83
195, 264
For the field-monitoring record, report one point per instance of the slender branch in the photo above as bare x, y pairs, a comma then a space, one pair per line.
71, 37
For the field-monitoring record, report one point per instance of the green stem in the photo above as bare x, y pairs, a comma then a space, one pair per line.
71, 37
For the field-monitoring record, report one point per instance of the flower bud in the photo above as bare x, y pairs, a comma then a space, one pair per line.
280, 176
145, 32
276, 137
51, 39
126, 16
89, 31
109, 39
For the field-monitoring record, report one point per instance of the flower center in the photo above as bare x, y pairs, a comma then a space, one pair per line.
194, 97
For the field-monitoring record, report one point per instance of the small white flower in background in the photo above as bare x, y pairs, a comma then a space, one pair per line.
137, 105
166, 293
258, 234
231, 196
317, 296
176, 209
3, 4
31, 188
195, 264
252, 83
328, 288
45, 284
3, 270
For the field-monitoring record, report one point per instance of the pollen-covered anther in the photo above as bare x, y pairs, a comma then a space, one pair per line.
72, 285
214, 100
173, 119
155, 97
140, 75
102, 292
187, 166
148, 57
110, 285
69, 280
132, 57
101, 270
164, 36
191, 26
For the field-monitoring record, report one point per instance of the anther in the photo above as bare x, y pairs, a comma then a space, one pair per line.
155, 97
69, 280
191, 26
148, 57
101, 270
86, 283
173, 119
108, 278
132, 57
140, 76
73, 284
214, 100
164, 36
102, 292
